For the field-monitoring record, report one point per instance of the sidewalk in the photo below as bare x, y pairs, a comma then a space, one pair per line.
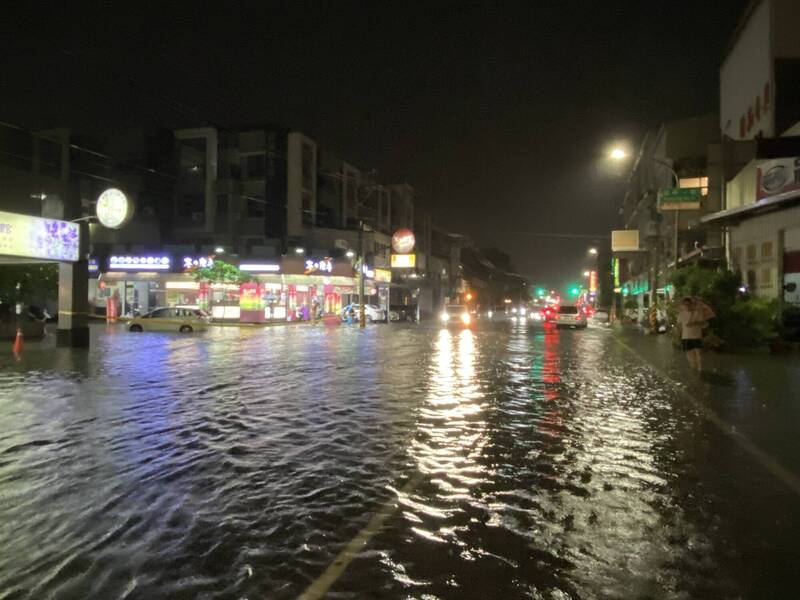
755, 392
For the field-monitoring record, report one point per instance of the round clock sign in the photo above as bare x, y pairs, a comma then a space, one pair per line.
114, 209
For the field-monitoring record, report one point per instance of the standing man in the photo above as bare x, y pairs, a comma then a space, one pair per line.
693, 315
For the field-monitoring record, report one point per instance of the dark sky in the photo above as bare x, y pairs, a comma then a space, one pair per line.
497, 112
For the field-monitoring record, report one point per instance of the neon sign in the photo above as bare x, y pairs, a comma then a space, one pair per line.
203, 262
139, 263
324, 265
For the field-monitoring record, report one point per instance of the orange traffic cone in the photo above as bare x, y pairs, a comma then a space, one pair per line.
19, 342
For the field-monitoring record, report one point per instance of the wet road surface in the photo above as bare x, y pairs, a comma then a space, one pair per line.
504, 462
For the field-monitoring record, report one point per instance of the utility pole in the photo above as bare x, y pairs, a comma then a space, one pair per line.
361, 263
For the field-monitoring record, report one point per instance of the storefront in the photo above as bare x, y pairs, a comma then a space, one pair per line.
287, 289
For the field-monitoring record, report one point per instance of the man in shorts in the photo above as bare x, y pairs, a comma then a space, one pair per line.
692, 320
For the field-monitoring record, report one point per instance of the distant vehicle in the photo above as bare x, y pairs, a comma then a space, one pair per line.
404, 312
570, 316
456, 315
372, 313
601, 317
184, 320
549, 313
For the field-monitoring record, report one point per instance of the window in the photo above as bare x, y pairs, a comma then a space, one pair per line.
255, 208
254, 166
751, 279
766, 250
695, 182
751, 252
222, 206
736, 258
766, 277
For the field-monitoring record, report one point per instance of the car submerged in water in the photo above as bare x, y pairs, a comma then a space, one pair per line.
183, 320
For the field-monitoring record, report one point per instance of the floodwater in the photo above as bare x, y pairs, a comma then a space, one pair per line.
506, 462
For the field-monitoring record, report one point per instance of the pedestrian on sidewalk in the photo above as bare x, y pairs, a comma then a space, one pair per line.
693, 316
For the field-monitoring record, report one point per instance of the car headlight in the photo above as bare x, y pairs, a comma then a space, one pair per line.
445, 317
489, 314
466, 318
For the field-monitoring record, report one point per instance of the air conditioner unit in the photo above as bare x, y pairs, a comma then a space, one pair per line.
198, 217
341, 244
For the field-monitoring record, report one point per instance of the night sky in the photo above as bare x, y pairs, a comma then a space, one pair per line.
498, 113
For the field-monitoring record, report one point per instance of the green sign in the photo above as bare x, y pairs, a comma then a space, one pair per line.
680, 198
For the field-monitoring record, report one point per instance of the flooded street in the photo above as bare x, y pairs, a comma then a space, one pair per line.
503, 462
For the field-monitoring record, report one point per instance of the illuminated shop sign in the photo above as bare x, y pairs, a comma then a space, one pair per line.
319, 266
34, 237
368, 273
404, 261
262, 267
403, 241
139, 263
93, 266
197, 262
383, 275
114, 209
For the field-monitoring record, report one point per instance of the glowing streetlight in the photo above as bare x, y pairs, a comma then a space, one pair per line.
593, 251
586, 274
219, 250
299, 250
618, 154
349, 254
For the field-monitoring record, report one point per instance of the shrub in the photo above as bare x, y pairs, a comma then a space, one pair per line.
741, 321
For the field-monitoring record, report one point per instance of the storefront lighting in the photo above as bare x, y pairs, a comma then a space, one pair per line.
182, 285
139, 263
260, 267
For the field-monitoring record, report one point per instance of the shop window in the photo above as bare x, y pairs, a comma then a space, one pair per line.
751, 252
766, 250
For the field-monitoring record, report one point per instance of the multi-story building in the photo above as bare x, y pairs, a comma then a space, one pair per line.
760, 121
671, 156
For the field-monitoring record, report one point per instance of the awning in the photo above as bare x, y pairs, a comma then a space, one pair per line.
733, 216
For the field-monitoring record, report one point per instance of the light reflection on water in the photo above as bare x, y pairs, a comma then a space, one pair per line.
238, 464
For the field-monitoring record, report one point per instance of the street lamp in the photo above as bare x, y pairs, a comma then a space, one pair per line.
593, 251
219, 250
299, 250
349, 254
587, 274
618, 153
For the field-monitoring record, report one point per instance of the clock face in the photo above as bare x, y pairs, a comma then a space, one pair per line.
403, 241
113, 208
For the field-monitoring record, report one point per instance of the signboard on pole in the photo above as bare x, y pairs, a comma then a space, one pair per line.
24, 236
625, 240
680, 198
404, 261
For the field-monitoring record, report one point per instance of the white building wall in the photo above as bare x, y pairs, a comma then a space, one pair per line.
752, 235
743, 76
